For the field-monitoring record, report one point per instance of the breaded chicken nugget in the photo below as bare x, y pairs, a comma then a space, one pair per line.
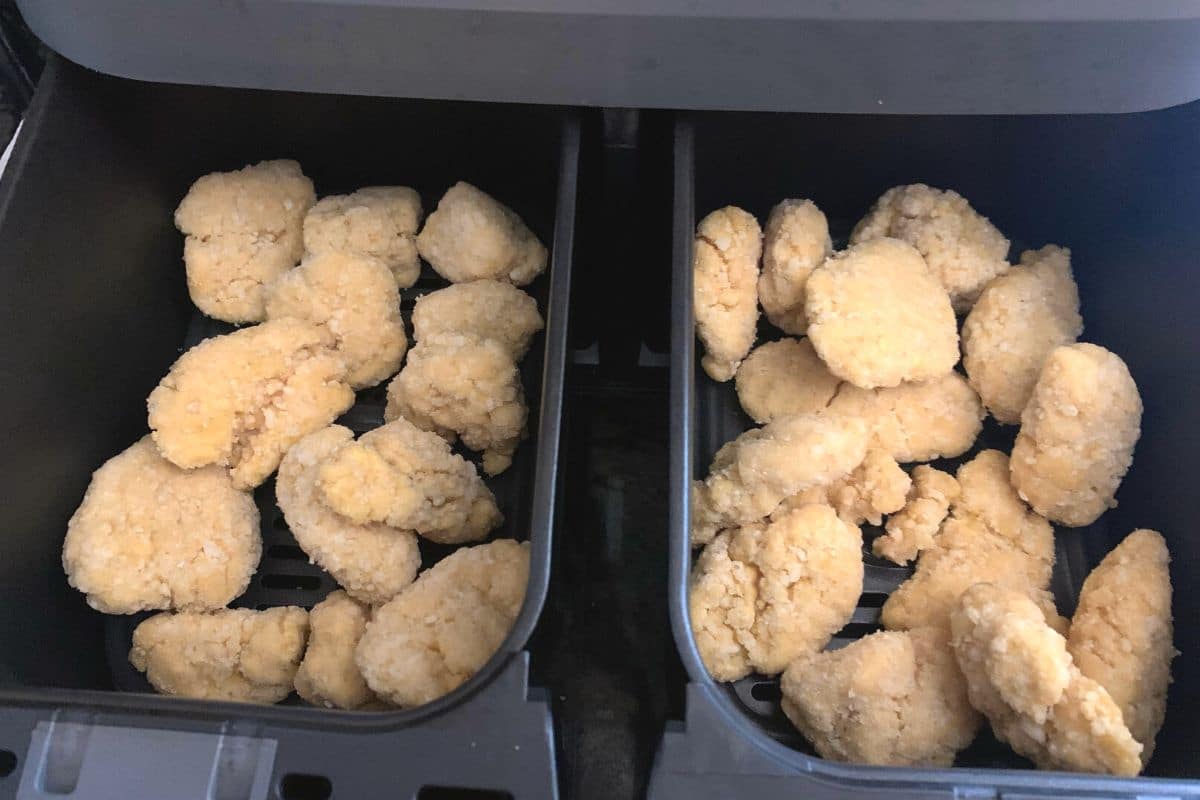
376, 221
1020, 675
471, 235
353, 300
892, 698
328, 675
911, 531
142, 518
243, 230
782, 378
1020, 317
1121, 634
878, 317
398, 407
230, 654
795, 243
1077, 434
963, 249
484, 309
755, 472
471, 386
372, 562
875, 487
725, 288
766, 593
407, 478
442, 629
242, 399
939, 418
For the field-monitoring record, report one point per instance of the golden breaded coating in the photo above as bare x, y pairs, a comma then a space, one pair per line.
878, 317
1077, 434
376, 221
764, 594
912, 529
963, 249
242, 399
398, 407
939, 418
875, 487
372, 562
1020, 317
149, 535
472, 235
471, 386
230, 654
755, 472
442, 629
725, 288
354, 302
484, 309
243, 230
1020, 675
407, 478
782, 378
796, 242
891, 698
328, 675
1121, 634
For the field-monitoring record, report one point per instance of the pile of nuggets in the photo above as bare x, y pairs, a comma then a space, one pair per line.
868, 382
170, 524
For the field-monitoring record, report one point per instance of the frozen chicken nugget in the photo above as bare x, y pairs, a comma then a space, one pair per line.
1121, 634
875, 487
1077, 435
438, 632
372, 562
912, 529
143, 518
407, 478
878, 317
398, 407
725, 288
242, 399
471, 236
230, 654
755, 472
1020, 675
484, 309
1020, 317
470, 386
891, 698
782, 378
354, 302
795, 243
243, 230
766, 593
376, 221
328, 675
963, 249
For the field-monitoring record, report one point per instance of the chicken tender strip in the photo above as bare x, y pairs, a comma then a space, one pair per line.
438, 632
1121, 634
754, 473
782, 378
243, 230
407, 478
795, 243
484, 309
376, 221
1017, 321
1020, 675
878, 317
725, 288
963, 248
231, 654
891, 698
372, 562
911, 531
766, 593
149, 535
1077, 435
875, 487
328, 675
